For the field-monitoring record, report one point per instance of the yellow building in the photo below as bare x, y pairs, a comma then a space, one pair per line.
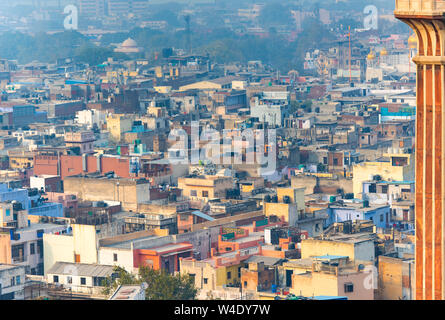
156, 112
163, 89
205, 187
117, 124
296, 195
357, 248
20, 159
289, 206
395, 167
333, 276
209, 276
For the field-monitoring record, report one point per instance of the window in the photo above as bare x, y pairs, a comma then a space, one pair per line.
69, 279
349, 287
17, 280
83, 281
381, 218
32, 248
205, 194
193, 193
229, 275
12, 281
56, 279
205, 280
8, 212
114, 257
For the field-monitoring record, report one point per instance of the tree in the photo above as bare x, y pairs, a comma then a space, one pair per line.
164, 286
160, 284
120, 277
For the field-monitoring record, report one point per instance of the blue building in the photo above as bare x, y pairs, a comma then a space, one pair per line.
379, 214
31, 201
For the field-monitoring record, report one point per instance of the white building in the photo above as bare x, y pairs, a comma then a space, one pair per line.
91, 117
12, 282
79, 277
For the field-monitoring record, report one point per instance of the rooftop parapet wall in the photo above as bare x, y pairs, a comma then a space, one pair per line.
419, 7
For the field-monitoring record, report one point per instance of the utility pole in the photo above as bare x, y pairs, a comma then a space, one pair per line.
350, 71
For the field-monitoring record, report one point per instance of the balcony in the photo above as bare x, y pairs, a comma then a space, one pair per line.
420, 7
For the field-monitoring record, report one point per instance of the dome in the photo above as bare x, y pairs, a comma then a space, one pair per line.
129, 43
383, 52
412, 41
371, 56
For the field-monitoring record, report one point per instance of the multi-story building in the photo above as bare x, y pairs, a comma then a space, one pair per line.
397, 167
12, 282
84, 140
117, 124
333, 276
205, 187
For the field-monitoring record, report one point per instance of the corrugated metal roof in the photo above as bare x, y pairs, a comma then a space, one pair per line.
81, 269
203, 215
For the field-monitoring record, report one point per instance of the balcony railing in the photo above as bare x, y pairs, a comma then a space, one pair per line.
420, 6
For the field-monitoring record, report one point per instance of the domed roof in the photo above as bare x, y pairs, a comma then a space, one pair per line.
383, 52
412, 41
371, 56
129, 43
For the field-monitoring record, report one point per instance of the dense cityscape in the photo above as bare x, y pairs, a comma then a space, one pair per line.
221, 150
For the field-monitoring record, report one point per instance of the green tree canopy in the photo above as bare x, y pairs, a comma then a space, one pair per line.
160, 284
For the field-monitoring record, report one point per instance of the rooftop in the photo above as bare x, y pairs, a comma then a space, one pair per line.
81, 269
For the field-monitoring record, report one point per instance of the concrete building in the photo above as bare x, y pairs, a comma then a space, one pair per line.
91, 118
397, 167
358, 248
117, 124
12, 282
205, 187
79, 277
79, 245
333, 276
83, 140
379, 214
153, 248
396, 277
129, 192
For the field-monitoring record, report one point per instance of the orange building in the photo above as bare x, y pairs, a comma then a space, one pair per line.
165, 257
426, 18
